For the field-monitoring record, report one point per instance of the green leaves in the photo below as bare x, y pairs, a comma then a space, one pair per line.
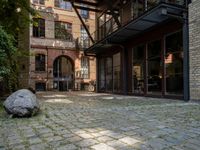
8, 63
15, 15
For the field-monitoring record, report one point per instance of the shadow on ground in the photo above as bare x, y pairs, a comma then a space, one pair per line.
79, 120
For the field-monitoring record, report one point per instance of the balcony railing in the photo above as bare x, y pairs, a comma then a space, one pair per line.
130, 11
84, 42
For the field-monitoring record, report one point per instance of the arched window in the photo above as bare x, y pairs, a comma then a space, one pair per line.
40, 62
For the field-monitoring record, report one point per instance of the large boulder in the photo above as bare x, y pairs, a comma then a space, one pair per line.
22, 103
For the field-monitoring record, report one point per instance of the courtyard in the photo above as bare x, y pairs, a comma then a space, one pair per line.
82, 120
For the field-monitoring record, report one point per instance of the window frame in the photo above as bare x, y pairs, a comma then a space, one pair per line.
84, 14
60, 29
39, 2
59, 4
84, 38
40, 65
39, 30
85, 67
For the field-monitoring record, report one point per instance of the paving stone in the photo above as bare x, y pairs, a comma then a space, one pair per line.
102, 146
15, 142
129, 140
117, 144
85, 136
87, 142
67, 147
74, 139
101, 121
104, 139
157, 144
54, 138
35, 141
39, 147
19, 147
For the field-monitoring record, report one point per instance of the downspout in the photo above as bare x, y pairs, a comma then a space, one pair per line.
47, 69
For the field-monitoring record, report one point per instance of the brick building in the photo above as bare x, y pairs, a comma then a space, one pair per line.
56, 41
142, 48
194, 49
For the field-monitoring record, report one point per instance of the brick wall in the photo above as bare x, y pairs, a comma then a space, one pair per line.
194, 49
53, 48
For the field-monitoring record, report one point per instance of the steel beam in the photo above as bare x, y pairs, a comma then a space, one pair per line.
83, 23
87, 8
83, 2
112, 11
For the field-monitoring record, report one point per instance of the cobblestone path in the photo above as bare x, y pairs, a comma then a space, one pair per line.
76, 120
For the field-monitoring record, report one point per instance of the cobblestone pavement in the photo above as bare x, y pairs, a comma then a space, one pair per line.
76, 120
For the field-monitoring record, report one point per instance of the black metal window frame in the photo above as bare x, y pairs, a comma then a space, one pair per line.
84, 13
40, 86
63, 5
40, 62
38, 27
84, 38
41, 2
63, 30
85, 67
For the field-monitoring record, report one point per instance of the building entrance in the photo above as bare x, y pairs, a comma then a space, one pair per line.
63, 73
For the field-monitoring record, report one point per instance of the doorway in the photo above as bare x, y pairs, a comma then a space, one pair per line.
63, 73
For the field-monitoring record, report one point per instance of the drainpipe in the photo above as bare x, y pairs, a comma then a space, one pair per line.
47, 68
186, 58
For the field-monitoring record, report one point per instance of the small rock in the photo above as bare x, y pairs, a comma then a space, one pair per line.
22, 103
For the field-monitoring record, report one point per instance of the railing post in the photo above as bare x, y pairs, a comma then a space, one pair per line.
145, 5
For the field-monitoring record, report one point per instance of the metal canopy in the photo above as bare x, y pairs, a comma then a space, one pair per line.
155, 16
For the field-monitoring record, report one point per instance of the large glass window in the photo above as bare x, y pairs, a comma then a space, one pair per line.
154, 76
101, 67
138, 8
63, 30
109, 83
38, 27
84, 13
40, 86
174, 64
138, 69
116, 72
84, 40
85, 67
63, 4
152, 3
40, 62
38, 2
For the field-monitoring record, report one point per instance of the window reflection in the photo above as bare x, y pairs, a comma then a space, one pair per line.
116, 72
101, 75
174, 64
138, 69
154, 78
109, 83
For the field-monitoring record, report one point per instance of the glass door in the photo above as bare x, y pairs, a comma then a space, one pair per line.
138, 69
174, 64
109, 79
154, 68
101, 85
117, 73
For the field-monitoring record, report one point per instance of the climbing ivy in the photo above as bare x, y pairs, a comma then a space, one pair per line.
8, 60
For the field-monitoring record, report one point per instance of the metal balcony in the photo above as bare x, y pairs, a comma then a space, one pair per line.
144, 15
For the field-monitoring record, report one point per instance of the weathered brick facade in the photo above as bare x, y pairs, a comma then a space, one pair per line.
53, 48
194, 49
